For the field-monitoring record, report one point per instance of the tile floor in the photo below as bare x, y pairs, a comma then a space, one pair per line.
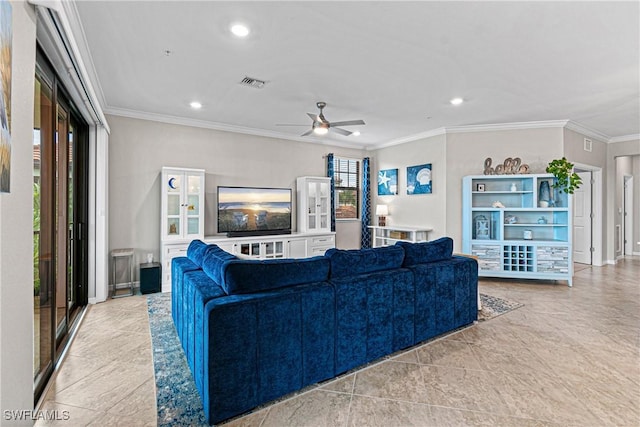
569, 357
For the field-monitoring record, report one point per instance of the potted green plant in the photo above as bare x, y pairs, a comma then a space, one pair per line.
566, 179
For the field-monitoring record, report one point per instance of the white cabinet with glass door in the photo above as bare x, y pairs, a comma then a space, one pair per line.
182, 204
314, 204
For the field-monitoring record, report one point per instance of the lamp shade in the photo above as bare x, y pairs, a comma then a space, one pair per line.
382, 210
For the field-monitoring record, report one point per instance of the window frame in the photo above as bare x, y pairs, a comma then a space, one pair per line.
338, 188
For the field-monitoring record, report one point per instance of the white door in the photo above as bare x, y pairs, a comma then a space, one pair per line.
582, 220
628, 215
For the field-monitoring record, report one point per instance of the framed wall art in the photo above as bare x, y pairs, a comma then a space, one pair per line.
388, 182
5, 95
419, 179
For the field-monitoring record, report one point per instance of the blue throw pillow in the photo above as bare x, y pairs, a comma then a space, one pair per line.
421, 253
362, 261
245, 276
213, 262
195, 251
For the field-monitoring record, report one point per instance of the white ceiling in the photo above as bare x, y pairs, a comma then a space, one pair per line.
393, 64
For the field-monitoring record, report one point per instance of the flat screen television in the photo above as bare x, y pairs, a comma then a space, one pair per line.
254, 211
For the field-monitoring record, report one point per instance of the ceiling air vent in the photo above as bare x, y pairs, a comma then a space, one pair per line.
249, 81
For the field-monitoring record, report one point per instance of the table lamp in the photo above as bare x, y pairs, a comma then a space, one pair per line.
382, 211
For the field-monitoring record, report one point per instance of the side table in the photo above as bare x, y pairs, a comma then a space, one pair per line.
150, 277
124, 255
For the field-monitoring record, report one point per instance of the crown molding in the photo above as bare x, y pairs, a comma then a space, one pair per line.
586, 131
624, 138
410, 138
508, 126
545, 124
204, 124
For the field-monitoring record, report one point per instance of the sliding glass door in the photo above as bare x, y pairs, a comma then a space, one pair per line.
60, 149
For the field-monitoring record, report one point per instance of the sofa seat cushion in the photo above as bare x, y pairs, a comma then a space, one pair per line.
245, 276
264, 345
196, 250
374, 316
213, 262
421, 253
353, 262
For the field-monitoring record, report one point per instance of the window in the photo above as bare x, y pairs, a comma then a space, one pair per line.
346, 176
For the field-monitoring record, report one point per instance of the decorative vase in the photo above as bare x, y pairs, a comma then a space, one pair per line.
557, 198
544, 193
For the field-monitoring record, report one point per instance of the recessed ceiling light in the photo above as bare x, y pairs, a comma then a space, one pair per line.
356, 133
196, 105
457, 101
240, 30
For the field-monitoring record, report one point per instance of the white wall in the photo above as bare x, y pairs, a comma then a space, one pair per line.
574, 150
466, 152
614, 150
139, 148
636, 205
420, 210
16, 228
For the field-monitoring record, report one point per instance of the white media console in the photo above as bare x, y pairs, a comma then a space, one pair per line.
294, 245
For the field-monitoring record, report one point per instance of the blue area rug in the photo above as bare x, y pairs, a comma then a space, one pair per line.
177, 398
176, 395
495, 306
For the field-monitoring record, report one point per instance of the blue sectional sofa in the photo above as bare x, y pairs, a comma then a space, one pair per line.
255, 330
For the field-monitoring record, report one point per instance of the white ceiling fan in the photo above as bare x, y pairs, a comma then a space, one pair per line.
321, 126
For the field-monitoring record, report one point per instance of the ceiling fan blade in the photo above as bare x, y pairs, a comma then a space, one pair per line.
309, 132
290, 124
314, 117
348, 123
340, 131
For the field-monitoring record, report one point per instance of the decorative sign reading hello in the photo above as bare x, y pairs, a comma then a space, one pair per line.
508, 167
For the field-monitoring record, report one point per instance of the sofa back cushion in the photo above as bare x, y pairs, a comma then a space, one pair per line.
421, 253
362, 261
245, 276
196, 250
213, 262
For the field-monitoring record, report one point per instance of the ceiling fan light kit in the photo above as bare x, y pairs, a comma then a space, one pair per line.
321, 126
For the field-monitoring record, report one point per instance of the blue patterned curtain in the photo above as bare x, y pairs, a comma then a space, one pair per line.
365, 241
330, 170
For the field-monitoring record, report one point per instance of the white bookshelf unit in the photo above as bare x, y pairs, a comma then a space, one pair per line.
522, 236
313, 197
389, 235
182, 195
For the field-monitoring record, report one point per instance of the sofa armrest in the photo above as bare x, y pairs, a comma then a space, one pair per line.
476, 258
